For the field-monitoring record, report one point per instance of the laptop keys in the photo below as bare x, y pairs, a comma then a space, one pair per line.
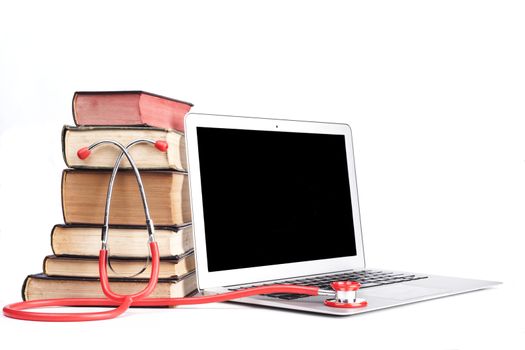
367, 278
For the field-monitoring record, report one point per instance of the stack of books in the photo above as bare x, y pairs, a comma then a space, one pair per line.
72, 270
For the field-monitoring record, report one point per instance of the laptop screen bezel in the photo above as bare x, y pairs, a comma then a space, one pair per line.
216, 279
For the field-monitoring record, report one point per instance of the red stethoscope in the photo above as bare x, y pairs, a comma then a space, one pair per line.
343, 294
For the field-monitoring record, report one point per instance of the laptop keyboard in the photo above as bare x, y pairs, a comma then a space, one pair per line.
367, 278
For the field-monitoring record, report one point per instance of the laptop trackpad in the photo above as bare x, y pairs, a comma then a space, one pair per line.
403, 292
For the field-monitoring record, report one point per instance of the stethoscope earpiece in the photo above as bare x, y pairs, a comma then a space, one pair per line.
83, 153
161, 145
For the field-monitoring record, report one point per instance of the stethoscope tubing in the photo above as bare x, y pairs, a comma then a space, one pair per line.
121, 303
16, 310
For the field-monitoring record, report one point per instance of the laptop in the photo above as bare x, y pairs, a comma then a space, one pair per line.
275, 201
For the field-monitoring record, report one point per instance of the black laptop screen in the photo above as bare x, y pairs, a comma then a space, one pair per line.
274, 197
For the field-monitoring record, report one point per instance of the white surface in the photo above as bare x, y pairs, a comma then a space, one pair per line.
433, 92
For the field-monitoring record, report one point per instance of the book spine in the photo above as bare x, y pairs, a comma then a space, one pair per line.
63, 141
62, 185
51, 237
73, 107
24, 288
44, 265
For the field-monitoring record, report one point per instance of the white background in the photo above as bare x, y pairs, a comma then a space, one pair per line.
434, 92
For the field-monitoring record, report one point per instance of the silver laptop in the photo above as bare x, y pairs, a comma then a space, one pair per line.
275, 201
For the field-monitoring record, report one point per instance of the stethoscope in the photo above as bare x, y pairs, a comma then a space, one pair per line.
343, 295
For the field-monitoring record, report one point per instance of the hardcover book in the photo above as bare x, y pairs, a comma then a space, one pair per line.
84, 197
128, 108
123, 242
145, 156
41, 286
75, 266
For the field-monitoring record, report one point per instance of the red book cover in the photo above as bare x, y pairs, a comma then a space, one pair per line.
128, 108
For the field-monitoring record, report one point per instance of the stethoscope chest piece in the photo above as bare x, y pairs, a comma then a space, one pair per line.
346, 295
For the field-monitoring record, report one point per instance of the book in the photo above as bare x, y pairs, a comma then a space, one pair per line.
70, 266
41, 286
145, 156
128, 108
84, 197
124, 241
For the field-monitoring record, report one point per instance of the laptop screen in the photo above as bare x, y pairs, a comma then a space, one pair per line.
274, 197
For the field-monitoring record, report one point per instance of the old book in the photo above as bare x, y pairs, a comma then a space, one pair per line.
42, 286
128, 108
145, 156
124, 241
84, 197
70, 266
